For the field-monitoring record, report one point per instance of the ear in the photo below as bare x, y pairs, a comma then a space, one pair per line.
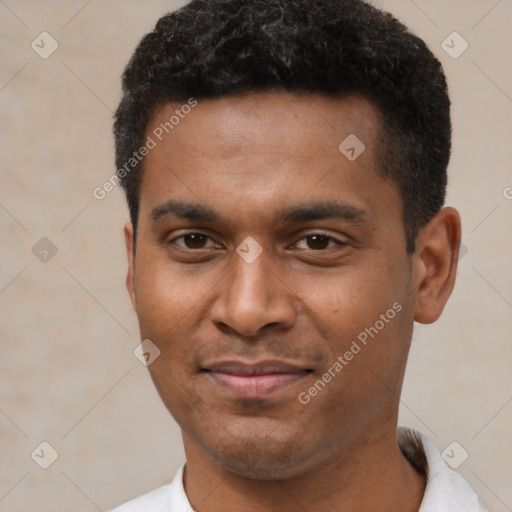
435, 264
130, 253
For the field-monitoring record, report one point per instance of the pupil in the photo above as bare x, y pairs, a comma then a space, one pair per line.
319, 241
194, 241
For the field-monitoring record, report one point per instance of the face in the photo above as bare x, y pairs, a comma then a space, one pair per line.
271, 272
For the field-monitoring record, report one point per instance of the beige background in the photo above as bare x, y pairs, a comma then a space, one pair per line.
68, 374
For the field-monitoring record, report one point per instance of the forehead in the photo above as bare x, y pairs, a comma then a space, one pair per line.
261, 149
274, 121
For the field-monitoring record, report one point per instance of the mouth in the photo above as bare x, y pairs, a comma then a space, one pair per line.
255, 380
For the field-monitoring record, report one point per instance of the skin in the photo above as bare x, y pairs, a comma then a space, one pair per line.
302, 301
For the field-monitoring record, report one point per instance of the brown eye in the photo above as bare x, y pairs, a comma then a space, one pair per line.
192, 241
318, 241
195, 241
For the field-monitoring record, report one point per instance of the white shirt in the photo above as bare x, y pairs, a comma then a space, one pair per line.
446, 490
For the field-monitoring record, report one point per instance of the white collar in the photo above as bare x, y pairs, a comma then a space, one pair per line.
446, 490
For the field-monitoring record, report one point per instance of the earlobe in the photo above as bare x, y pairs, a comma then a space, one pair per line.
130, 253
435, 264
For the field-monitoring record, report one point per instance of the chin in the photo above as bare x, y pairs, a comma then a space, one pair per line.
263, 458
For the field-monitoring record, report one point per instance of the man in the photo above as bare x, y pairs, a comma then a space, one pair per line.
285, 168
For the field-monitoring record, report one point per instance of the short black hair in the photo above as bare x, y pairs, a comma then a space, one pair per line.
218, 48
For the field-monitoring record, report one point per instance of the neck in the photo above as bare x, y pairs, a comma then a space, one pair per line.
371, 476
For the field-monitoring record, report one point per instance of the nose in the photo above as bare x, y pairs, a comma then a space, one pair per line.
254, 297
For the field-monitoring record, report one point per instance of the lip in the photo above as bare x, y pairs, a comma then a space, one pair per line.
255, 380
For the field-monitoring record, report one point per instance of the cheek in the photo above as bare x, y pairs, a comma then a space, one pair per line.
354, 298
168, 296
364, 318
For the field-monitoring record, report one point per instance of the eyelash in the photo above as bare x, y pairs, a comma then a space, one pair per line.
337, 242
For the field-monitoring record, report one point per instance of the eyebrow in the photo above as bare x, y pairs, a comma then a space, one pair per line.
183, 210
301, 213
323, 210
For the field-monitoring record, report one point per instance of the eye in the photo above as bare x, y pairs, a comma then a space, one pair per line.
192, 241
320, 242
